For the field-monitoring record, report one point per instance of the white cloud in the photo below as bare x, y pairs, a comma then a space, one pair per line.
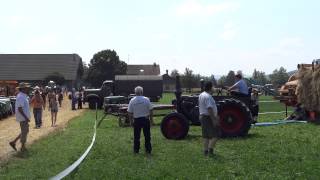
229, 32
196, 8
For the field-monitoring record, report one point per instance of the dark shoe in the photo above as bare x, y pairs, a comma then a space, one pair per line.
13, 145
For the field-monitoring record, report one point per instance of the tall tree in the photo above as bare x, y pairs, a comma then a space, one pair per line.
81, 68
259, 77
188, 79
174, 73
230, 79
84, 80
222, 81
279, 77
213, 80
104, 66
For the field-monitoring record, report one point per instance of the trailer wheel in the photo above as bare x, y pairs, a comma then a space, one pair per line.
174, 126
123, 120
235, 118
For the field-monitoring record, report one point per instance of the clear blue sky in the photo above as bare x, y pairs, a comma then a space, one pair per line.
208, 36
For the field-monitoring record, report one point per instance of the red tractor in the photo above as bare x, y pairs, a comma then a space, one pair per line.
235, 115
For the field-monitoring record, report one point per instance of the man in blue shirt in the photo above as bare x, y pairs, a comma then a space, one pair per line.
240, 88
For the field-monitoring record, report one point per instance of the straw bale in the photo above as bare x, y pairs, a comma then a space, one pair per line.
316, 89
308, 90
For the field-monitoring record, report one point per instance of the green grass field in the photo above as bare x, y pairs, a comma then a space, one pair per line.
275, 152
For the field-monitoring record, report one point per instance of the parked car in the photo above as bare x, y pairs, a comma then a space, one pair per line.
5, 107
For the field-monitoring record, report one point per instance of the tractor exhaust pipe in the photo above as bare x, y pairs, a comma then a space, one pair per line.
178, 93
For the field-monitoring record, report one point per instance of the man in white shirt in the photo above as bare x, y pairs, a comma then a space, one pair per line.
22, 110
140, 110
209, 119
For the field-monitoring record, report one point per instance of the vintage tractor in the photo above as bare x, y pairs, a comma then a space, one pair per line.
234, 112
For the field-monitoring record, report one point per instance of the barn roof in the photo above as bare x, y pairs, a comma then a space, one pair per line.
153, 69
38, 66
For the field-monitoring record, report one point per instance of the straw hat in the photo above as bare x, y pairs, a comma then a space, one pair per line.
23, 85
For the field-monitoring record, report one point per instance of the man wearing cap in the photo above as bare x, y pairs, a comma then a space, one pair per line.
22, 116
140, 109
209, 119
240, 88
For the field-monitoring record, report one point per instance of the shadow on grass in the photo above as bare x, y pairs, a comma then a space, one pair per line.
247, 137
101, 119
193, 137
22, 155
217, 157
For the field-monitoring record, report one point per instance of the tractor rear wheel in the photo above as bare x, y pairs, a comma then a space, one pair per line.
174, 126
235, 118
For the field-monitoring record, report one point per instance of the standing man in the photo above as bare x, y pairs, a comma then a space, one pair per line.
209, 119
140, 109
73, 99
22, 116
80, 100
240, 88
37, 103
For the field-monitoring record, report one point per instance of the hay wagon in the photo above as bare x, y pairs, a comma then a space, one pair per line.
303, 90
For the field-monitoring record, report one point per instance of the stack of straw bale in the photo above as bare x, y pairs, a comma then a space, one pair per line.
308, 89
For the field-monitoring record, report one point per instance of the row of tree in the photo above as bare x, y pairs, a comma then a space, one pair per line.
190, 80
106, 64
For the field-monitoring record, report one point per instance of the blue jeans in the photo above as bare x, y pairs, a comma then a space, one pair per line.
37, 112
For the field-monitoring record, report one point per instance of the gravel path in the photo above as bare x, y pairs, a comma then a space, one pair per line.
9, 128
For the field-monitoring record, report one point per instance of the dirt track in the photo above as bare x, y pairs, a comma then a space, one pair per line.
9, 128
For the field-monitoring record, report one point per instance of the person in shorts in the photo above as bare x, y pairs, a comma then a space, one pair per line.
53, 106
23, 116
209, 119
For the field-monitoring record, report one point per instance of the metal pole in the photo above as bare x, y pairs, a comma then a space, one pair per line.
286, 111
96, 111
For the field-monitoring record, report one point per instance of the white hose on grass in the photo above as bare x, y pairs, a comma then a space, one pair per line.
73, 166
280, 112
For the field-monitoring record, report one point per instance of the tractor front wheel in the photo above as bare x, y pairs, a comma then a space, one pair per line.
174, 126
